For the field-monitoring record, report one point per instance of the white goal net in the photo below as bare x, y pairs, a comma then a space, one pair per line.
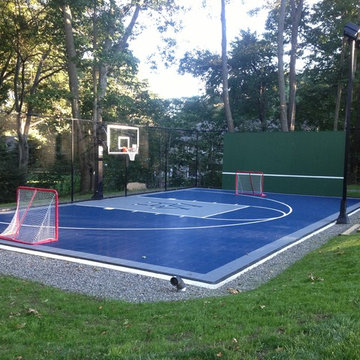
249, 183
35, 220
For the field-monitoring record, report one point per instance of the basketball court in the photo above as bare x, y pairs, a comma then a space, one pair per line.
206, 236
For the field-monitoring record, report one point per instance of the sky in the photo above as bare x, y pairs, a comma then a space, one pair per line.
201, 30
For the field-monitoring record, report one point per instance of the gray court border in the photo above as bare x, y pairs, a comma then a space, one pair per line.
212, 279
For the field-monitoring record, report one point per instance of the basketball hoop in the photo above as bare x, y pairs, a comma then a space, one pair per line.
129, 151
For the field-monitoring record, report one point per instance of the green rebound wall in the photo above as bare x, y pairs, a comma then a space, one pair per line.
294, 162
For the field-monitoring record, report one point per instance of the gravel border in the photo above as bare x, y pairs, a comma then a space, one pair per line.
112, 284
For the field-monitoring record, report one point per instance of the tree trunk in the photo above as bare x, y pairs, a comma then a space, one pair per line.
262, 106
225, 71
339, 87
23, 145
283, 115
71, 62
23, 124
18, 103
4, 73
296, 12
22, 128
100, 82
86, 169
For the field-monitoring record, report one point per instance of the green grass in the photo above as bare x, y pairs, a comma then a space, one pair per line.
311, 311
353, 191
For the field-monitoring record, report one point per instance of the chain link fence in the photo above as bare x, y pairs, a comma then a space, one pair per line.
61, 154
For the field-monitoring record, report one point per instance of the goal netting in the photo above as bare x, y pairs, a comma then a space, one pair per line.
35, 220
249, 183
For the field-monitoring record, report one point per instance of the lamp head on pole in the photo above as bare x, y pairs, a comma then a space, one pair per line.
352, 31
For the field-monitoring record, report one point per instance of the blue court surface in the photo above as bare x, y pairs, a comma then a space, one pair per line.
203, 235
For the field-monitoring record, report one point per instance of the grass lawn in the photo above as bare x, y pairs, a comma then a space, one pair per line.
311, 311
353, 191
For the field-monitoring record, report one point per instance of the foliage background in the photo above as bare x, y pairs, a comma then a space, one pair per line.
35, 77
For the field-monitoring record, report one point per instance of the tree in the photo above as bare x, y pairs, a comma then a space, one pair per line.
6, 53
201, 149
296, 8
101, 68
113, 24
327, 51
31, 59
206, 66
225, 70
253, 80
85, 162
281, 75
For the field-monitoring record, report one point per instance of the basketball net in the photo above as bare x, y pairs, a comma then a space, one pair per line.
131, 154
129, 151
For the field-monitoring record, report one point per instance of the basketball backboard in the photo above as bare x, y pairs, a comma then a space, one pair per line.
123, 140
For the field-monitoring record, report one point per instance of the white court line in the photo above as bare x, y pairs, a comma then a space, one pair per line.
247, 222
154, 205
85, 262
236, 222
159, 275
165, 276
271, 256
294, 176
258, 219
262, 261
241, 207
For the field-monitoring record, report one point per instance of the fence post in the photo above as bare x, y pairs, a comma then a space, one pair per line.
167, 141
197, 159
72, 158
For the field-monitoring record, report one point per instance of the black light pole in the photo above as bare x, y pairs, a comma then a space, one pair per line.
351, 31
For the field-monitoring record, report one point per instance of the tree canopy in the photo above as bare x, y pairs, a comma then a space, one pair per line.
71, 59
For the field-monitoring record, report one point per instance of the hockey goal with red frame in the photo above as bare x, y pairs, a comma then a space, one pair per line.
36, 219
249, 183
